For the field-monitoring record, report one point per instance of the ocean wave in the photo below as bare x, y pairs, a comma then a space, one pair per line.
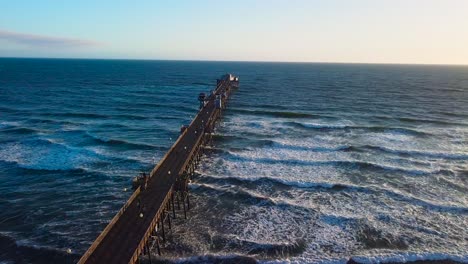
349, 164
248, 140
9, 124
202, 83
111, 83
246, 197
241, 105
29, 126
268, 250
254, 181
339, 126
214, 259
226, 137
53, 121
94, 115
408, 152
454, 114
182, 108
430, 121
462, 188
19, 130
238, 194
215, 150
318, 125
114, 125
129, 116
409, 199
402, 257
20, 253
43, 154
5, 109
281, 114
274, 143
76, 115
463, 173
85, 138
43, 167
35, 168
332, 186
124, 143
74, 150
289, 146
411, 257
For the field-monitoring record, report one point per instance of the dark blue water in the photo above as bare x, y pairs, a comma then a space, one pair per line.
311, 163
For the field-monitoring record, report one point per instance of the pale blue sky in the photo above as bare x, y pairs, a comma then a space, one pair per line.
375, 31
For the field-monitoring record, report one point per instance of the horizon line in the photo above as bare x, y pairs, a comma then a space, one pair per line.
243, 61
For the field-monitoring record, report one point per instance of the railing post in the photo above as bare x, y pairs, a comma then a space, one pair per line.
173, 207
162, 228
188, 201
157, 244
169, 221
183, 202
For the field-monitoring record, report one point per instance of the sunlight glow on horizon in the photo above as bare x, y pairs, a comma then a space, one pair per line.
361, 31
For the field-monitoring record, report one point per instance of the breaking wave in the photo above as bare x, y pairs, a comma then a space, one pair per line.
340, 187
281, 114
338, 126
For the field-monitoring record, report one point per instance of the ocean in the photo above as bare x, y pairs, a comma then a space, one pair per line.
311, 163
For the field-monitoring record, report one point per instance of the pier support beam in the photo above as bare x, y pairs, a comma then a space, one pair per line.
185, 210
162, 229
173, 207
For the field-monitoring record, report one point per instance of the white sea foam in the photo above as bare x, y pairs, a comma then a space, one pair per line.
325, 124
410, 256
400, 257
394, 196
335, 152
287, 156
46, 155
7, 124
333, 232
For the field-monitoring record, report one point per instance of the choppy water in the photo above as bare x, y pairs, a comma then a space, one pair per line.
311, 163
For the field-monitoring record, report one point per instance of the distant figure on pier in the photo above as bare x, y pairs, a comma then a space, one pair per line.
145, 181
140, 181
218, 102
201, 98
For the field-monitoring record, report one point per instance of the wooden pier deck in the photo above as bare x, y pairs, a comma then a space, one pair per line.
141, 220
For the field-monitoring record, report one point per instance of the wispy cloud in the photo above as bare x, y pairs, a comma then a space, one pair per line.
35, 40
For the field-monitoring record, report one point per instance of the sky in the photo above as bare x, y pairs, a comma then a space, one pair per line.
358, 31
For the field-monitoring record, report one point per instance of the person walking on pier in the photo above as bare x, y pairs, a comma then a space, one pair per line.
145, 181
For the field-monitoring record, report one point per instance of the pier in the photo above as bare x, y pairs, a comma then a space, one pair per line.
145, 218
